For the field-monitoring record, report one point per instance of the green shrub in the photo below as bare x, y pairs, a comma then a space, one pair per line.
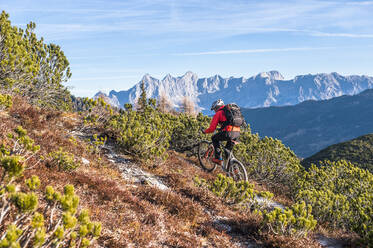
296, 220
23, 226
12, 167
98, 114
148, 132
341, 194
63, 160
96, 144
22, 144
31, 218
145, 134
240, 192
53, 226
185, 131
13, 153
268, 160
227, 188
5, 101
29, 66
11, 237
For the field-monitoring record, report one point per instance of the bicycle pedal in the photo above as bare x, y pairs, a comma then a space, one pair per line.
217, 161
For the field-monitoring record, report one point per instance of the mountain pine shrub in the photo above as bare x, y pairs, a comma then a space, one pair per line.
22, 143
15, 152
57, 224
240, 192
98, 114
5, 101
31, 218
62, 160
144, 134
96, 144
296, 220
28, 66
186, 131
268, 160
340, 194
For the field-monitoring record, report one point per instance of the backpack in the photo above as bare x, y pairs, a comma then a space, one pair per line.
233, 114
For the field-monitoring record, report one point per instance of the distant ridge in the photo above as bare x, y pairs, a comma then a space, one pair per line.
311, 126
358, 151
262, 90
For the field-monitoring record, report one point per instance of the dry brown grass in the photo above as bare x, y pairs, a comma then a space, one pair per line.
140, 215
174, 203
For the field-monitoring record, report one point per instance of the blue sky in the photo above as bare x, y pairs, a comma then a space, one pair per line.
111, 44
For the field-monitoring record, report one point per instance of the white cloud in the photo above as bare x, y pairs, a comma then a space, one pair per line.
218, 18
266, 50
363, 3
347, 35
101, 78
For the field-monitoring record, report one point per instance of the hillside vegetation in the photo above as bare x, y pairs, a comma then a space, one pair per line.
358, 151
63, 176
311, 126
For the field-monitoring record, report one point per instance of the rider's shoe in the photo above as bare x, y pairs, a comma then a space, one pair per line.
217, 161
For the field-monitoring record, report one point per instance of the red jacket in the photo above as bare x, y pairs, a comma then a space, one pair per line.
218, 118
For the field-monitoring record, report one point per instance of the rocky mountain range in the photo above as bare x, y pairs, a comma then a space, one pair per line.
262, 90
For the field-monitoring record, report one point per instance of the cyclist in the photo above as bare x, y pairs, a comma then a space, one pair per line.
226, 132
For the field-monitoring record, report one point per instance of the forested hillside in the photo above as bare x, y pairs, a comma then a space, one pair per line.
358, 151
82, 174
311, 126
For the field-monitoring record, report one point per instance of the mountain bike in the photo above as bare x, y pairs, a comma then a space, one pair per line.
231, 165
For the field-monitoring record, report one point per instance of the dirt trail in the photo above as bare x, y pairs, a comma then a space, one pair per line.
133, 173
136, 176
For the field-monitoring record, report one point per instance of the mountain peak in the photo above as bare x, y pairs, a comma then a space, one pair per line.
276, 75
190, 74
146, 77
273, 75
99, 94
167, 77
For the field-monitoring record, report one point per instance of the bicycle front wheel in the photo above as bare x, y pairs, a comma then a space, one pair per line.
237, 170
205, 155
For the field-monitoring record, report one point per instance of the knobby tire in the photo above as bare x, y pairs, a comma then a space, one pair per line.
205, 154
237, 170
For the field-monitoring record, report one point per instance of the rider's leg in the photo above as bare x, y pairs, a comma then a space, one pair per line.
231, 136
216, 138
228, 146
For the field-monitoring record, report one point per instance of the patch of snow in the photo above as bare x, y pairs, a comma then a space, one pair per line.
329, 242
85, 161
267, 203
131, 172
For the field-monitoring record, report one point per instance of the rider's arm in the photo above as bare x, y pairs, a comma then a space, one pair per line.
214, 122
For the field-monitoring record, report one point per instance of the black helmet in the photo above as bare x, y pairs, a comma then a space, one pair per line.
217, 104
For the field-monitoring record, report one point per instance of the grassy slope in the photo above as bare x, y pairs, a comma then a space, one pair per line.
140, 215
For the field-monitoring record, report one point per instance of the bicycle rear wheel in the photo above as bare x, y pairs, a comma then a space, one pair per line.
237, 170
205, 155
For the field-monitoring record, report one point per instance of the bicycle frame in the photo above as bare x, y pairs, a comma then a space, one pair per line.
230, 165
228, 159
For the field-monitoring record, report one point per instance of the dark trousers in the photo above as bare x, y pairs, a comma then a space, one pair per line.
223, 136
